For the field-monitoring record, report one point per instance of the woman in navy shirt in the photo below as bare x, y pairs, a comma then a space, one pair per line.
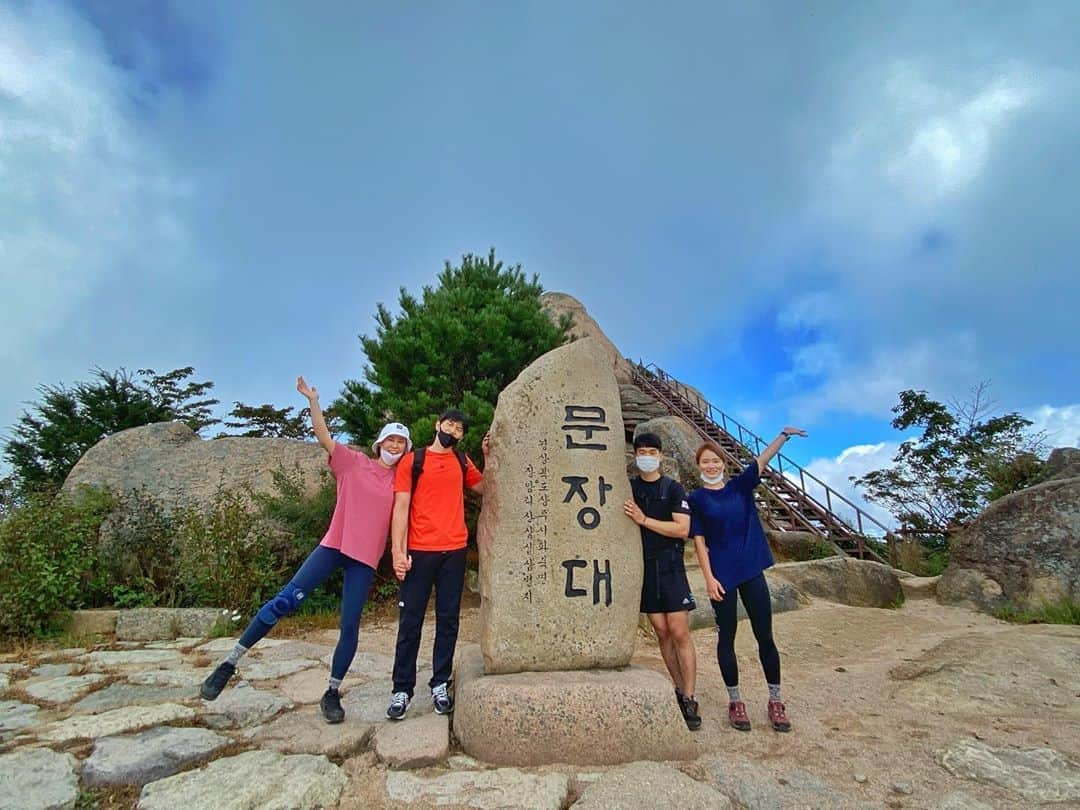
734, 554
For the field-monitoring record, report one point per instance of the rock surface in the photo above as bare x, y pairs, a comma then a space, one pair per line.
15, 715
256, 780
800, 546
560, 564
557, 304
38, 779
63, 689
754, 788
415, 742
116, 695
637, 406
152, 624
305, 732
243, 706
367, 703
1064, 462
153, 754
133, 657
538, 718
646, 786
486, 790
173, 465
116, 721
1036, 774
859, 583
1026, 544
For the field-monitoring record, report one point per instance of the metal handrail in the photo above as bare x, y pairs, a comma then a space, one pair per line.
710, 412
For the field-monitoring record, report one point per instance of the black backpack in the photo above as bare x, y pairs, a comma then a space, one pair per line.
418, 464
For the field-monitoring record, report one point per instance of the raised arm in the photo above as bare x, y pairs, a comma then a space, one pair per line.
318, 423
774, 448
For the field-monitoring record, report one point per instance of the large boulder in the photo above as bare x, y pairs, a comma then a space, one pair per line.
1064, 462
557, 304
598, 717
1024, 549
560, 564
680, 441
800, 546
637, 406
859, 583
174, 466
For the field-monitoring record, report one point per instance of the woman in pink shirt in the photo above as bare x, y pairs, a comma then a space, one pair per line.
355, 542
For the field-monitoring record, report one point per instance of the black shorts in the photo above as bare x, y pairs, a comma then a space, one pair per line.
665, 589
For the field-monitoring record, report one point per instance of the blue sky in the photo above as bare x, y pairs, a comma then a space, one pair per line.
800, 212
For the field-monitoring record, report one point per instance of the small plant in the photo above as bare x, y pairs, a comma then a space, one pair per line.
1065, 611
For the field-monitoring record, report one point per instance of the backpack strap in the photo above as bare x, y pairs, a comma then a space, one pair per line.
418, 465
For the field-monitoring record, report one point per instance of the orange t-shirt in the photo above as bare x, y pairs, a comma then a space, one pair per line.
437, 509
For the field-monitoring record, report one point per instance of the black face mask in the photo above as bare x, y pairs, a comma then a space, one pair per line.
447, 440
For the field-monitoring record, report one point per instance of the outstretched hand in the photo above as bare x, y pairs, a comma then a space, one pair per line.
794, 431
306, 390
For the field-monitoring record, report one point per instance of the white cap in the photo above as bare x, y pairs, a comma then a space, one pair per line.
393, 429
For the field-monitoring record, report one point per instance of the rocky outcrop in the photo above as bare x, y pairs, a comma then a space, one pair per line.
1064, 462
859, 583
174, 466
638, 407
1024, 549
557, 304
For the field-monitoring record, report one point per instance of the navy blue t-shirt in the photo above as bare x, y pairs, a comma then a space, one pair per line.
729, 522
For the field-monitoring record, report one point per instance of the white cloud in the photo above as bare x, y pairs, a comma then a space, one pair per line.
1060, 424
83, 192
852, 462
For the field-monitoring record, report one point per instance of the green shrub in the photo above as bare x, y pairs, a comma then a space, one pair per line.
47, 556
1067, 611
137, 554
225, 554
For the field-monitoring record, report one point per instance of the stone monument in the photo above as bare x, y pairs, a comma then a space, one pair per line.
560, 583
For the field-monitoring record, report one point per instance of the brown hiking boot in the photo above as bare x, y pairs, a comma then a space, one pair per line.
736, 715
778, 717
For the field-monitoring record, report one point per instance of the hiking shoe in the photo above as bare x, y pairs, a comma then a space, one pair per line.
398, 704
331, 706
444, 704
778, 717
736, 715
689, 708
216, 681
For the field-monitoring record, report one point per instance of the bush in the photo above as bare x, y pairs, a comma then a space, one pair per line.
136, 554
1067, 611
47, 556
226, 554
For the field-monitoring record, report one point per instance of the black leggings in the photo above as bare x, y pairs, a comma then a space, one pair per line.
755, 598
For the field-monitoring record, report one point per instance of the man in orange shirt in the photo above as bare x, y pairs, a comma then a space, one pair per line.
428, 537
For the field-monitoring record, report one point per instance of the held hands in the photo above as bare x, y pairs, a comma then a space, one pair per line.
633, 511
306, 390
402, 564
715, 589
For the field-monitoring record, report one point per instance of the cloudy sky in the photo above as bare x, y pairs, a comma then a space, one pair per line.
802, 213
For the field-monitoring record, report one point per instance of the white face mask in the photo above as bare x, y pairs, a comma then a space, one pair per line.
647, 464
712, 479
389, 459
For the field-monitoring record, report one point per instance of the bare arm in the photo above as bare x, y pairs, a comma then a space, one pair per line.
318, 422
774, 448
712, 584
677, 528
485, 445
399, 534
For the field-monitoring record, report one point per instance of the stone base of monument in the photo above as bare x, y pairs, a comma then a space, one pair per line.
586, 717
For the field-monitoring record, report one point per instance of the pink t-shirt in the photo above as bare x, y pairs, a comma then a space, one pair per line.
365, 498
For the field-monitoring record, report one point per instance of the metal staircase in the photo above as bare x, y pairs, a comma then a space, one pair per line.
790, 498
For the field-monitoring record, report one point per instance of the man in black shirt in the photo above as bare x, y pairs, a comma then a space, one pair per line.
660, 508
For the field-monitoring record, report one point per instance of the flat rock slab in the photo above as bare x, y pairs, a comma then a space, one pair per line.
225, 645
243, 706
62, 689
117, 721
369, 666
54, 670
486, 790
859, 583
919, 587
153, 624
104, 659
135, 759
38, 779
272, 670
5, 681
291, 650
63, 654
751, 786
185, 643
184, 676
306, 686
646, 786
539, 718
306, 732
1037, 774
367, 702
15, 714
414, 743
256, 780
116, 695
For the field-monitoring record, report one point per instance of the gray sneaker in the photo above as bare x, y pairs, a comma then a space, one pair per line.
398, 704
440, 697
